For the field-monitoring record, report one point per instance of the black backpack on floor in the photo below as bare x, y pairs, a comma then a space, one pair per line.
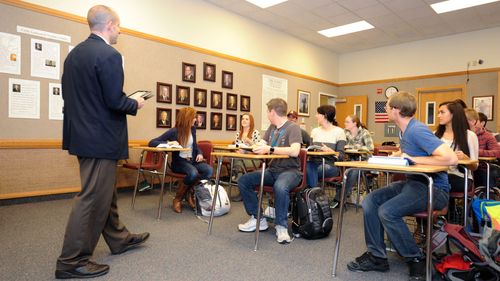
312, 217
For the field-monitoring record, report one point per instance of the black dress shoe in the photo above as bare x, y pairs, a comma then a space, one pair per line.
90, 270
135, 240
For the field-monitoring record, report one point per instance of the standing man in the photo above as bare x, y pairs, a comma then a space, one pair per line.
384, 208
282, 137
95, 130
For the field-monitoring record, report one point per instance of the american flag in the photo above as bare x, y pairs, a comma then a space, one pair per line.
380, 113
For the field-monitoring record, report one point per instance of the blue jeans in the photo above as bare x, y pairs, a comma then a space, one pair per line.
384, 209
315, 172
352, 177
282, 183
194, 171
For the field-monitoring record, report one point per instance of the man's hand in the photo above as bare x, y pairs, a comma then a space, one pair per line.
262, 149
140, 102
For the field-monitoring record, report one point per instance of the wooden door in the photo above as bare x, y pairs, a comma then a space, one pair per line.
429, 100
347, 106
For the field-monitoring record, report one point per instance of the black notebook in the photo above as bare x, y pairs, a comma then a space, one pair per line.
141, 93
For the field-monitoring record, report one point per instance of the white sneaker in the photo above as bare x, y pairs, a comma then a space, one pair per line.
251, 225
282, 235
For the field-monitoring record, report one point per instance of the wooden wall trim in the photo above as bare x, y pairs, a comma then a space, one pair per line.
36, 193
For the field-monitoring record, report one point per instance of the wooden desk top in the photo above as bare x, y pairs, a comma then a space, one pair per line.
388, 151
226, 147
322, 153
249, 155
413, 168
467, 162
487, 158
157, 149
356, 151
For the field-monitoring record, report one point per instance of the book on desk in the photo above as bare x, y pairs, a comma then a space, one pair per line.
166, 145
389, 160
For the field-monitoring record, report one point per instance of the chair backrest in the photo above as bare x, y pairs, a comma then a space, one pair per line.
154, 160
377, 149
206, 148
303, 169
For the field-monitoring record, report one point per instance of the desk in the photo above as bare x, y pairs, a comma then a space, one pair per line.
220, 156
422, 170
165, 152
228, 148
323, 154
464, 164
487, 161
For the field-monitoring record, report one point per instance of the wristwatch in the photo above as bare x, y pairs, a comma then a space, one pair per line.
271, 150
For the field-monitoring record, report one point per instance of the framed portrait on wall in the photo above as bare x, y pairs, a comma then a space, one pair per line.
245, 103
215, 121
201, 120
209, 71
182, 95
163, 92
188, 72
303, 102
216, 99
227, 79
231, 101
484, 104
200, 97
231, 122
163, 118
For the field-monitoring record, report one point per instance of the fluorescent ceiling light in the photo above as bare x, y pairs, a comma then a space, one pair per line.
453, 5
346, 29
266, 3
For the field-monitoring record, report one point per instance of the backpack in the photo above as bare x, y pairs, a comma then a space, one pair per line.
204, 192
312, 217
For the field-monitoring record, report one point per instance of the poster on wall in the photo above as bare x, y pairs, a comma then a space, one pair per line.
56, 102
10, 53
24, 99
272, 87
45, 59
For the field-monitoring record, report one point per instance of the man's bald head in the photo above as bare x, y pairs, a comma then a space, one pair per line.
99, 15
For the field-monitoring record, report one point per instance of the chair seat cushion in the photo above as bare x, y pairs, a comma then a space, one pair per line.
135, 166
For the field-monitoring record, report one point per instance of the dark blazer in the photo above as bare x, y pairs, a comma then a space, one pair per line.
172, 135
95, 106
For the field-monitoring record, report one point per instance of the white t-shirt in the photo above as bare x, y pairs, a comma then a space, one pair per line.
473, 150
187, 154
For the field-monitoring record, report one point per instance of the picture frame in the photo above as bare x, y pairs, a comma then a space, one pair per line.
188, 72
227, 80
209, 71
200, 97
163, 92
163, 117
201, 120
231, 101
182, 95
215, 121
231, 122
484, 104
216, 99
303, 102
245, 103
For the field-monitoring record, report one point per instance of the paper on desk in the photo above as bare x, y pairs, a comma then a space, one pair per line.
166, 145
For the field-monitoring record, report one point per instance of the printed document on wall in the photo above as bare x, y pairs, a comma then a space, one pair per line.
24, 99
56, 102
45, 59
272, 87
10, 53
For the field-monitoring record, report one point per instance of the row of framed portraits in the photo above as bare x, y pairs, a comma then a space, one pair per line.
209, 74
164, 120
183, 97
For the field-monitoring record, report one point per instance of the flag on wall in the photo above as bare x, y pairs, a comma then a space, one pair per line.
380, 113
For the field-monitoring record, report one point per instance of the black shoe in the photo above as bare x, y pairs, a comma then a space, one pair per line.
368, 262
90, 270
334, 204
135, 240
417, 269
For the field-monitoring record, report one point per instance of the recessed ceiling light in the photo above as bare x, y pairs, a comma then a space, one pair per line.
346, 29
266, 3
453, 5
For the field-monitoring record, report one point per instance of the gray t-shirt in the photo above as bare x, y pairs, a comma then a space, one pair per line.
286, 135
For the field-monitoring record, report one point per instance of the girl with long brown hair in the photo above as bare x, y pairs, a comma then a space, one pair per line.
190, 162
247, 134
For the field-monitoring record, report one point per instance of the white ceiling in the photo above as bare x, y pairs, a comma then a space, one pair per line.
395, 21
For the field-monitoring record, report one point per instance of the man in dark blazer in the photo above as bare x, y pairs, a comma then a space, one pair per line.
95, 130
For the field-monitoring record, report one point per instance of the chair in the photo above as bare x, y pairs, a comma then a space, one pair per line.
455, 218
152, 164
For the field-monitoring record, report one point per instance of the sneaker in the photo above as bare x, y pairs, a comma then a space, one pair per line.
417, 269
334, 204
143, 186
368, 262
282, 235
251, 225
269, 212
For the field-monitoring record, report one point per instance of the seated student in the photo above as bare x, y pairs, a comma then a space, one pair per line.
247, 133
385, 208
358, 137
331, 138
282, 137
294, 117
190, 162
488, 147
